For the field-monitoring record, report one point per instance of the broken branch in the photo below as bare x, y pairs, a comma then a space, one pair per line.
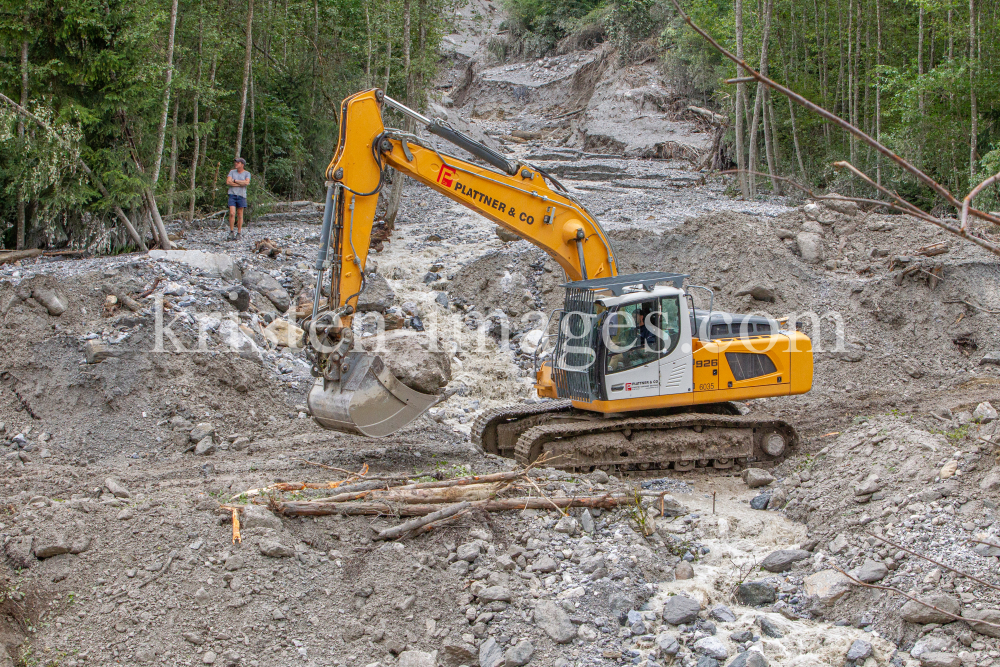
312, 508
972, 195
409, 526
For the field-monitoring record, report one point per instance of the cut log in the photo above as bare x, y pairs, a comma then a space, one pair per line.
404, 528
16, 255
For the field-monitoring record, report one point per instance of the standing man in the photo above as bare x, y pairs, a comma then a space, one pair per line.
237, 180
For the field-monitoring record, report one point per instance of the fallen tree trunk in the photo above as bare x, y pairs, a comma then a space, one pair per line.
314, 508
404, 528
16, 255
410, 496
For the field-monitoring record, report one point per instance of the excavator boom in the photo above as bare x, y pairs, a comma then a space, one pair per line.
353, 391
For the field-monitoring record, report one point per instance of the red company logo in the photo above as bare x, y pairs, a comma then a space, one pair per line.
628, 386
445, 176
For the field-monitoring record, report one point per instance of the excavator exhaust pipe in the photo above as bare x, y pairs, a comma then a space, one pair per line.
367, 399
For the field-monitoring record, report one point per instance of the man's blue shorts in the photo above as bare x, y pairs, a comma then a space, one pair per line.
237, 201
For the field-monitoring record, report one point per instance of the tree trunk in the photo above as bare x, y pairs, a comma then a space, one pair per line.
920, 57
21, 217
368, 49
974, 115
388, 47
196, 153
878, 90
173, 160
208, 111
246, 80
795, 140
396, 191
161, 132
775, 150
759, 98
740, 92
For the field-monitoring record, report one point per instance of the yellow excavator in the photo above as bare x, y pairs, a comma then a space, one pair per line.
642, 380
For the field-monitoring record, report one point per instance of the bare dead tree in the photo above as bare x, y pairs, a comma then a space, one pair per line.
962, 230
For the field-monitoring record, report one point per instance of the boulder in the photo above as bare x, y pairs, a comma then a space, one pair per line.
827, 585
377, 296
257, 516
282, 333
859, 651
216, 264
416, 659
870, 571
757, 477
723, 614
490, 653
274, 549
939, 659
755, 593
200, 432
712, 647
783, 559
984, 412
418, 359
519, 654
840, 204
238, 297
680, 610
49, 542
749, 659
914, 612
758, 292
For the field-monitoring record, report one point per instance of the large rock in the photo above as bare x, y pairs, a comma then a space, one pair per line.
712, 647
418, 359
519, 654
680, 610
264, 284
938, 659
783, 559
116, 488
756, 477
755, 593
827, 586
988, 615
758, 292
914, 612
870, 571
50, 542
19, 551
490, 653
416, 659
256, 516
215, 264
984, 412
749, 659
274, 549
860, 650
54, 302
377, 296
810, 247
550, 618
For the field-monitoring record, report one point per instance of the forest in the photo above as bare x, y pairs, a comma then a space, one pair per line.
138, 107
134, 109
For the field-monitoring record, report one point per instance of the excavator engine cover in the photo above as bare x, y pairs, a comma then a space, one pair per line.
367, 399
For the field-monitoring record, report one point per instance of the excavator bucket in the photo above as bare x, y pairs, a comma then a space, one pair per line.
367, 400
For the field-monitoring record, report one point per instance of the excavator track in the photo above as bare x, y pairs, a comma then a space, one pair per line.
643, 444
716, 436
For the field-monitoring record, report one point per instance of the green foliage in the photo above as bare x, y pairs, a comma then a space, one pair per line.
96, 73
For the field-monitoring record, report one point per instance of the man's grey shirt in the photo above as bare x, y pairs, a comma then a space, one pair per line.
237, 176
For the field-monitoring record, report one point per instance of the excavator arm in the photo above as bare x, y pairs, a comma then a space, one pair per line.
354, 391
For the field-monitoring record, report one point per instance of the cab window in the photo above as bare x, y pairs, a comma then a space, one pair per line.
639, 333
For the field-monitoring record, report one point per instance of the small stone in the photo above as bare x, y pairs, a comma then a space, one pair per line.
914, 612
756, 477
827, 585
755, 593
712, 647
722, 614
760, 501
126, 514
53, 302
116, 488
587, 521
468, 551
838, 545
208, 658
667, 644
988, 615
870, 571
586, 632
277, 614
859, 651
274, 549
683, 571
680, 610
567, 525
416, 659
948, 469
544, 564
939, 659
257, 516
741, 637
984, 412
783, 559
519, 654
490, 653
234, 563
494, 594
192, 637
749, 659
768, 628
205, 447
551, 619
600, 477
201, 431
